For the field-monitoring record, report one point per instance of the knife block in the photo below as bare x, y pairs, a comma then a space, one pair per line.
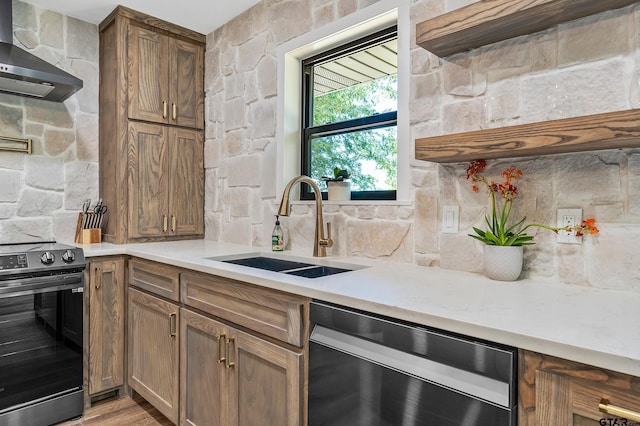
87, 236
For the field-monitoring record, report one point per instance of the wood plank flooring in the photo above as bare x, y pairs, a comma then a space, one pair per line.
119, 412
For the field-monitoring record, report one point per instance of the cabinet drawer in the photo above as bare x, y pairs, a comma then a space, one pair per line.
159, 279
577, 401
278, 315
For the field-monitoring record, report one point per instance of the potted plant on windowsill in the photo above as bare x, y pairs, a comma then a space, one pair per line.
503, 240
338, 186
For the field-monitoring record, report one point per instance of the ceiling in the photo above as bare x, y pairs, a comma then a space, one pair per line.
202, 16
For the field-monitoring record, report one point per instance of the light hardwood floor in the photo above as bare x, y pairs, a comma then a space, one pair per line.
119, 412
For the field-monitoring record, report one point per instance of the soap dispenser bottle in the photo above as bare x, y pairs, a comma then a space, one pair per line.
277, 237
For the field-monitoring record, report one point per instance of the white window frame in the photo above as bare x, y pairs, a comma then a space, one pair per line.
373, 18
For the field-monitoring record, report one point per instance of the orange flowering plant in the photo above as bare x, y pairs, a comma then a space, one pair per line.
499, 232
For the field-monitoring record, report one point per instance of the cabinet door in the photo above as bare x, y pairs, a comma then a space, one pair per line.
148, 80
148, 180
203, 375
106, 324
266, 380
186, 83
153, 351
563, 400
186, 184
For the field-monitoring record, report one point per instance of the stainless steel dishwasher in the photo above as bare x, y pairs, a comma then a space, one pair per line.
368, 370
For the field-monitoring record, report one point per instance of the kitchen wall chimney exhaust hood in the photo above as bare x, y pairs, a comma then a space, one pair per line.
24, 74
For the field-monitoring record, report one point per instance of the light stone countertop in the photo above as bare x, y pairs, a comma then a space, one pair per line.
593, 326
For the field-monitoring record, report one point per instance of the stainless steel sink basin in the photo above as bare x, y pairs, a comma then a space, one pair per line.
287, 266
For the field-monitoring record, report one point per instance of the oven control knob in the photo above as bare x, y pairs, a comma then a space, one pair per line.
47, 258
68, 256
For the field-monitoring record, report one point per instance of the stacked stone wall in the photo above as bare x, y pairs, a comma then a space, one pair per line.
583, 67
41, 193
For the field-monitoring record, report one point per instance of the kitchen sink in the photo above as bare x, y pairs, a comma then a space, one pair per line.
286, 266
317, 271
269, 263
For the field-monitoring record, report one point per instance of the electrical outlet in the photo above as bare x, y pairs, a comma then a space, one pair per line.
450, 219
569, 217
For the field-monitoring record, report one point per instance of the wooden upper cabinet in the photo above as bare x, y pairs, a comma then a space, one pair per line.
148, 87
166, 181
148, 180
151, 120
186, 84
165, 79
186, 183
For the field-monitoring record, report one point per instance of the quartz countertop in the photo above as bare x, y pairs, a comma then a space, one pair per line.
589, 325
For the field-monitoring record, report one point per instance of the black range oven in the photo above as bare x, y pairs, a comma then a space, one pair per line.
41, 300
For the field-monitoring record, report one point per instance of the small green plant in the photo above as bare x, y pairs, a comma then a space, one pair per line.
338, 175
499, 231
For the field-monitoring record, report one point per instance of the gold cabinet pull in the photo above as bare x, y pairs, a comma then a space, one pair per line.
164, 109
98, 273
606, 407
229, 341
221, 338
173, 223
172, 325
165, 223
174, 111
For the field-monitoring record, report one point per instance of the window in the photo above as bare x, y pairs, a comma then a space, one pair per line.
349, 115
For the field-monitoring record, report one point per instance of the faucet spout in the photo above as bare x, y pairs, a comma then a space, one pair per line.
320, 242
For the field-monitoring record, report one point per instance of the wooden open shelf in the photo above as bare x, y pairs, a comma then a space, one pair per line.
489, 21
620, 129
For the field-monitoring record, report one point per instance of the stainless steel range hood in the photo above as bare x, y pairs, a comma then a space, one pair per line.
24, 74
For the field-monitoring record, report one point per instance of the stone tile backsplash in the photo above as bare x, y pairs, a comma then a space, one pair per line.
583, 67
42, 193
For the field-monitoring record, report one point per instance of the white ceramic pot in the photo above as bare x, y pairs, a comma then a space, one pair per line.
503, 263
339, 190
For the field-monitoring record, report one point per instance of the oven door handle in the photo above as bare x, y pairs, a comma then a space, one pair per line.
473, 384
43, 284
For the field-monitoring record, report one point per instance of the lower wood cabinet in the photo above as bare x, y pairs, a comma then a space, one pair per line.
569, 401
554, 391
105, 286
203, 374
153, 351
230, 377
227, 353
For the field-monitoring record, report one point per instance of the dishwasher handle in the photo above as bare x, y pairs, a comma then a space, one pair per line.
472, 384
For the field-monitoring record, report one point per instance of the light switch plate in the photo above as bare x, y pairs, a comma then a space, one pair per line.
450, 219
569, 217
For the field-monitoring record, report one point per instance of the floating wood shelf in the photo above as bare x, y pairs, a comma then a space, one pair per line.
619, 129
489, 21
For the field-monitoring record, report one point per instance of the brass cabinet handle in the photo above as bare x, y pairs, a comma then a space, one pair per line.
98, 273
606, 407
165, 223
221, 338
174, 111
172, 325
173, 223
164, 109
229, 341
